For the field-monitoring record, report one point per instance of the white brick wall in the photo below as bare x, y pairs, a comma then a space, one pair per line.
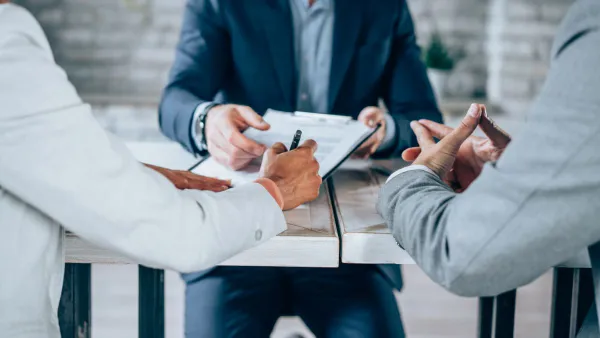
121, 50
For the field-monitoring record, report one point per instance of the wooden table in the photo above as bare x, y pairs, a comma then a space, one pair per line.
349, 198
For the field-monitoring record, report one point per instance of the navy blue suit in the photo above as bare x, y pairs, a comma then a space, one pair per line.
242, 52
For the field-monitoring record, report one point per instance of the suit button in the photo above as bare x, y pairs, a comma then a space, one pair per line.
258, 235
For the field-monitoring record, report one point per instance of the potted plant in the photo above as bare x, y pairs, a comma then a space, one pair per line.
439, 64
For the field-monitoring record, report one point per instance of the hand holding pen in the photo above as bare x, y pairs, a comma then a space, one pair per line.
296, 172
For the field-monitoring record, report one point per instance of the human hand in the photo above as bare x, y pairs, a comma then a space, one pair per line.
224, 138
296, 172
472, 154
371, 116
187, 180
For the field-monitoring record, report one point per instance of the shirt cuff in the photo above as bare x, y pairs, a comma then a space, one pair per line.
390, 133
199, 109
410, 168
273, 189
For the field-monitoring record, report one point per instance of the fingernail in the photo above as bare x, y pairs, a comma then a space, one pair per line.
474, 111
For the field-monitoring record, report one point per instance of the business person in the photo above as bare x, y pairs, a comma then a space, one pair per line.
536, 207
60, 170
235, 60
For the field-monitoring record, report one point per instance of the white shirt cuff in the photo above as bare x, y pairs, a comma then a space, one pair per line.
410, 168
199, 109
390, 133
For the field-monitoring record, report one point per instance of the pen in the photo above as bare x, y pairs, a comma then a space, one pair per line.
296, 140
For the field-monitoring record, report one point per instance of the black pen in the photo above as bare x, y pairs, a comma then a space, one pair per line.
296, 140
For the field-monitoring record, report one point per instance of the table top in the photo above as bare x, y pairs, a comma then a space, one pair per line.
365, 237
310, 241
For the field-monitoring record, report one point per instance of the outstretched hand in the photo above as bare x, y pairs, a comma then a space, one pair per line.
186, 180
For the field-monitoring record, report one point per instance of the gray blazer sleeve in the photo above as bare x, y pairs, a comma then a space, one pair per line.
535, 208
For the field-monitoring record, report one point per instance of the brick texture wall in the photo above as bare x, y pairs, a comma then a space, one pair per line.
120, 51
113, 50
520, 36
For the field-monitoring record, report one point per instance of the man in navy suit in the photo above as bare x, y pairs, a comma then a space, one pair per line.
235, 60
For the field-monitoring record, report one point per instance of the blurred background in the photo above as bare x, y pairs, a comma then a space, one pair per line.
118, 54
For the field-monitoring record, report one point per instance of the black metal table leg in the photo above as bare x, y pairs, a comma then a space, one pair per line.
486, 317
504, 313
572, 297
74, 310
497, 316
151, 303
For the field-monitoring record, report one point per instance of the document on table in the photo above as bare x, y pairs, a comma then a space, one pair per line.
337, 138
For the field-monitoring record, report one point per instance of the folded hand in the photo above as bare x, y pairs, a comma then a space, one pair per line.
463, 165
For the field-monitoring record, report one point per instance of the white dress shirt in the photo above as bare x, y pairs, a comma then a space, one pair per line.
59, 168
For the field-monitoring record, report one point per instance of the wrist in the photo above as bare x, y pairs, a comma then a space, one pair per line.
272, 189
199, 126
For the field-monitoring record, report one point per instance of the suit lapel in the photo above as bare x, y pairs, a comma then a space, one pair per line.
347, 24
279, 31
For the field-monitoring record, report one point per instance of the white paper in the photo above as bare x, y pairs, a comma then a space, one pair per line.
335, 138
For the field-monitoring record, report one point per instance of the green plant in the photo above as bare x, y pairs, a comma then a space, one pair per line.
436, 55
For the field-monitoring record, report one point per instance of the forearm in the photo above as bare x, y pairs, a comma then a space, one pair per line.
202, 62
89, 184
490, 239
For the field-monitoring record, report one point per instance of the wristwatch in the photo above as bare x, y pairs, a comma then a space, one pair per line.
199, 128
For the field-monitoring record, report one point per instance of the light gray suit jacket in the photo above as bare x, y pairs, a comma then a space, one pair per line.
536, 207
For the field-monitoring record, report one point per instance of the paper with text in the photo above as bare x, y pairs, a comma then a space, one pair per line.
335, 136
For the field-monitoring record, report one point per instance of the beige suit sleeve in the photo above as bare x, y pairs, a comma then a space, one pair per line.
537, 207
56, 158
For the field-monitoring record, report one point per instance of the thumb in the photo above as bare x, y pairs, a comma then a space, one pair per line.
252, 118
271, 154
467, 126
278, 148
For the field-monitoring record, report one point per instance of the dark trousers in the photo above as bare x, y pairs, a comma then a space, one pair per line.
349, 301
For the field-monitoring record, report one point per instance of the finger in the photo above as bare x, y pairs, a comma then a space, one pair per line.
370, 116
252, 118
467, 126
310, 144
232, 136
207, 180
279, 148
423, 135
437, 130
411, 154
497, 135
365, 147
225, 159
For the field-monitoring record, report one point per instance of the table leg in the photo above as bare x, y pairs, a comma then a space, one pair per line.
497, 315
151, 303
504, 321
486, 317
74, 310
572, 297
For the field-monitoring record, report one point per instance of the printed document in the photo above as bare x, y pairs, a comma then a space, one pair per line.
336, 136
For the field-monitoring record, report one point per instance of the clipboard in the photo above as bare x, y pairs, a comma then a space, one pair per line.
362, 141
336, 144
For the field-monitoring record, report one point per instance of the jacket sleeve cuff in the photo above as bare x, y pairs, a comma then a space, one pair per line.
390, 134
